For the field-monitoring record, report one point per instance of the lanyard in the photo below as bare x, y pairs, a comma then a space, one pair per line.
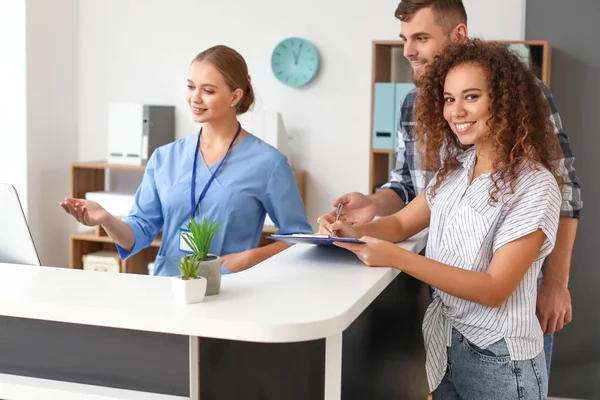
212, 176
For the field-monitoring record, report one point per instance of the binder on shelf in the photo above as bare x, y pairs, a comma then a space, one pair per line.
401, 91
383, 121
388, 100
104, 261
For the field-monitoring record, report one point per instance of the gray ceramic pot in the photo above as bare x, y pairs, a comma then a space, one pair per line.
210, 268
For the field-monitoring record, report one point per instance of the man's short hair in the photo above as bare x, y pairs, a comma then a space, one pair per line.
448, 13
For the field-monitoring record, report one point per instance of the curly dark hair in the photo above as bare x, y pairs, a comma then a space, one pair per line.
521, 130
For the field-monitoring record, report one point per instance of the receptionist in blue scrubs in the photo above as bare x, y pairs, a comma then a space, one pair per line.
223, 173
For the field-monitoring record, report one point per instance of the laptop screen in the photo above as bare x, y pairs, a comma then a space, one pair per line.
16, 243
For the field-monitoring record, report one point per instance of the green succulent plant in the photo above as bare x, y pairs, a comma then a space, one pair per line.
188, 267
200, 236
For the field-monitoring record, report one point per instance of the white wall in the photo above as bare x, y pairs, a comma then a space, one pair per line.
496, 20
38, 114
63, 61
13, 119
139, 50
52, 81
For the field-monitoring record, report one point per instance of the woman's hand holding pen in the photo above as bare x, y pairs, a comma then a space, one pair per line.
329, 226
374, 253
85, 212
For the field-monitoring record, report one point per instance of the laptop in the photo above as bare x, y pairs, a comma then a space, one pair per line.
16, 243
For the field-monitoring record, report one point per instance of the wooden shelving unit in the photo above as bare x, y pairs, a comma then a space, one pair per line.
90, 177
390, 65
541, 57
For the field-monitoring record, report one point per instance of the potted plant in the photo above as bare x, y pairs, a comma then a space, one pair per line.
189, 287
199, 238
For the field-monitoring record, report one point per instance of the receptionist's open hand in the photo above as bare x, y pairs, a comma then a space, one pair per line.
375, 252
85, 212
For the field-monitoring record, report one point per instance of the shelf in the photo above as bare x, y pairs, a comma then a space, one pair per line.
394, 43
383, 151
104, 165
529, 42
92, 237
86, 243
89, 177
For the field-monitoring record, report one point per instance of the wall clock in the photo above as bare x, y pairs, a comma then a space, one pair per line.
295, 61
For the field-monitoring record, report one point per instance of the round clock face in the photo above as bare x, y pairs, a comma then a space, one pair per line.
295, 62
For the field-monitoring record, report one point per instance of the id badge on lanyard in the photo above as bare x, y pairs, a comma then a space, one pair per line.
184, 230
183, 246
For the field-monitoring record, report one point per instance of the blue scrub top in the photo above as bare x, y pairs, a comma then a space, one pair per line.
255, 179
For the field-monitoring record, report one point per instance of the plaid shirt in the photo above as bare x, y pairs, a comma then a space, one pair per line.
407, 180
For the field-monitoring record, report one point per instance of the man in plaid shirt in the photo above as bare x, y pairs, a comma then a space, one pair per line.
426, 27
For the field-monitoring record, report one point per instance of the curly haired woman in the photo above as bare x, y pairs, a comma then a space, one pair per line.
492, 210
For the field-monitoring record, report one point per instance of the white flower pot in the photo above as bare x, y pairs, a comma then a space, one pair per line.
190, 290
210, 268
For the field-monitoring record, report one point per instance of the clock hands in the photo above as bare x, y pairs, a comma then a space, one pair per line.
296, 56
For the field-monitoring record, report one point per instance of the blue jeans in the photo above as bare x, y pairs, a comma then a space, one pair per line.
548, 339
548, 342
476, 374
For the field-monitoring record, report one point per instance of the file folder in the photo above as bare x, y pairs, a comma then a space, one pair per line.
383, 116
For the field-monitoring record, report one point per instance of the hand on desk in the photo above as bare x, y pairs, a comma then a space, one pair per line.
358, 208
86, 212
375, 252
236, 262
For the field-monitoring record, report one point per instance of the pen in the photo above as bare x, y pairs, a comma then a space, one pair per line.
337, 216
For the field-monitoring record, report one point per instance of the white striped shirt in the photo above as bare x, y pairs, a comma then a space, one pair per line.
465, 231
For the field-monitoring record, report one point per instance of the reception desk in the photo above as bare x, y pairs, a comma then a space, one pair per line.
297, 326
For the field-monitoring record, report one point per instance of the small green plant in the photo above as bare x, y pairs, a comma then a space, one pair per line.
200, 236
188, 267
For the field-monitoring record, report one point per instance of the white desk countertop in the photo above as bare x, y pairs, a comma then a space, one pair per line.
303, 293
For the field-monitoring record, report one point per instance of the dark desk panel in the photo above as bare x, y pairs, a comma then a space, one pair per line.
383, 356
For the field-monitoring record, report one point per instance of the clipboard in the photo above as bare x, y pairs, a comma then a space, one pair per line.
313, 238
